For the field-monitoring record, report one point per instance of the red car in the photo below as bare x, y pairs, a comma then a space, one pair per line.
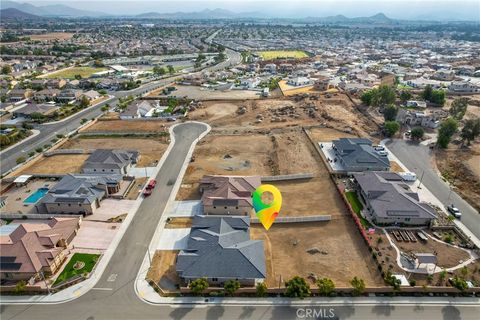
151, 184
147, 192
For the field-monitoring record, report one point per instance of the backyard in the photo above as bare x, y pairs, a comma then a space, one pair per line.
70, 73
80, 263
357, 207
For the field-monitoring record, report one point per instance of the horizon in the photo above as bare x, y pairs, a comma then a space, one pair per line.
395, 9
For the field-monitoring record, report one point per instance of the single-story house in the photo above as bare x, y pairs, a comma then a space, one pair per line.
110, 161
389, 200
228, 195
91, 95
29, 249
219, 249
69, 95
299, 81
46, 95
29, 109
357, 154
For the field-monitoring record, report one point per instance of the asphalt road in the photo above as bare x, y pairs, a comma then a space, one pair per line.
417, 158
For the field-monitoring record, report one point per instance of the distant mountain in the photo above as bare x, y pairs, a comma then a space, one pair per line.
200, 15
379, 18
12, 13
54, 10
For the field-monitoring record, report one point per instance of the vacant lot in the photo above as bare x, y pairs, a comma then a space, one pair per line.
51, 36
248, 154
328, 134
70, 73
151, 149
279, 54
57, 164
128, 126
162, 270
342, 255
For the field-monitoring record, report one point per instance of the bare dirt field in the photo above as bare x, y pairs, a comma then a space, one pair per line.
151, 149
462, 168
179, 222
52, 36
162, 270
57, 164
337, 111
227, 155
286, 253
128, 126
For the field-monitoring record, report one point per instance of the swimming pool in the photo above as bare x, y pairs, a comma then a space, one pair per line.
37, 195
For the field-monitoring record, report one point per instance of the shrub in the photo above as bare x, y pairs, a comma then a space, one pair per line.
358, 286
21, 160
325, 286
231, 286
198, 286
261, 289
39, 149
297, 287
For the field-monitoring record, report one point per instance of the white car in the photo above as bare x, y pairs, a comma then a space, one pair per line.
454, 211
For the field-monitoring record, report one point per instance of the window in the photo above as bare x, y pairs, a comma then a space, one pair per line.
236, 207
214, 207
69, 204
225, 207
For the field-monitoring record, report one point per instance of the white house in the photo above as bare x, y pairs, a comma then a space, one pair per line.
299, 81
463, 87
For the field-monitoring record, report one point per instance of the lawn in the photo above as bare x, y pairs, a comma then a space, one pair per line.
357, 207
278, 54
69, 73
88, 259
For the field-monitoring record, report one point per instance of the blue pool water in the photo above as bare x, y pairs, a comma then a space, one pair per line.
37, 195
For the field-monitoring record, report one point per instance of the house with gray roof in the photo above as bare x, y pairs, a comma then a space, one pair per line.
357, 155
79, 193
390, 201
219, 249
110, 161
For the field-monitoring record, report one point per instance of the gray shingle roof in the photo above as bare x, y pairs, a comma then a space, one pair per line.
390, 197
358, 155
220, 247
110, 159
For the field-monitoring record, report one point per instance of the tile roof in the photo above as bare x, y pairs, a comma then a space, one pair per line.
110, 159
229, 190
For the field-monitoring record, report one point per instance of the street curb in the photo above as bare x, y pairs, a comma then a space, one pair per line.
35, 133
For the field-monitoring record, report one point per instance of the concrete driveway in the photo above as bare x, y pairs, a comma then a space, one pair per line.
188, 208
111, 208
173, 239
95, 235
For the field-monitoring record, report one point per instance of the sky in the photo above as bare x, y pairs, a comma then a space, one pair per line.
399, 9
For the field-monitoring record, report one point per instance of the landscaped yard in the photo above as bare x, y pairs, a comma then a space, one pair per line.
357, 207
79, 263
278, 54
69, 73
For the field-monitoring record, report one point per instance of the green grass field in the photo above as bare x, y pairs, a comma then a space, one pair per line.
89, 259
85, 72
357, 207
278, 54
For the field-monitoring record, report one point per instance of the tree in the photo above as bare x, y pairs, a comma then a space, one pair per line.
471, 130
405, 96
438, 97
198, 286
231, 286
159, 70
6, 69
391, 127
104, 108
20, 160
459, 283
390, 112
446, 131
325, 286
427, 92
83, 121
201, 57
458, 108
367, 96
392, 281
20, 286
84, 102
261, 289
358, 286
297, 287
171, 69
417, 133
386, 95
4, 140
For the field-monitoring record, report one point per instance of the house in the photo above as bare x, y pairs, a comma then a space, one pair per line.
389, 201
91, 95
3, 201
110, 161
463, 87
34, 250
250, 83
299, 81
220, 249
139, 109
418, 119
270, 67
356, 155
17, 95
56, 83
444, 75
78, 194
46, 95
33, 108
416, 104
69, 95
228, 195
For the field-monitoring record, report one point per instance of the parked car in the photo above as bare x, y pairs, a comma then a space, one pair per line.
171, 119
454, 211
147, 192
379, 148
151, 184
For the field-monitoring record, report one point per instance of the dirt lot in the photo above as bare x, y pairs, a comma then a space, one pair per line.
57, 164
286, 256
179, 222
462, 168
135, 190
52, 36
151, 149
127, 126
227, 155
163, 271
336, 111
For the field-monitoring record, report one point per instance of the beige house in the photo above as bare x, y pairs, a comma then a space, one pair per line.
31, 248
228, 195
